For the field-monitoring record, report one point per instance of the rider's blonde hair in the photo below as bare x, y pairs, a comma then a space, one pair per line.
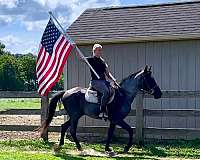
96, 46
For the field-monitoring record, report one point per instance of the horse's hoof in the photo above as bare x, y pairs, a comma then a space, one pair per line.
79, 149
126, 149
108, 149
56, 148
110, 153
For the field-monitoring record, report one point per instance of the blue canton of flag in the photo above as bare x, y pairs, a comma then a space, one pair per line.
50, 36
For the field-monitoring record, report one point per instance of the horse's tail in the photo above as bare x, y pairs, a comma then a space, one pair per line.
51, 112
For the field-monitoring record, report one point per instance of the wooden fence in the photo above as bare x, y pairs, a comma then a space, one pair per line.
139, 112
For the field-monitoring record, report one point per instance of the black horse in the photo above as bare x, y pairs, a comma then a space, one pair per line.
76, 106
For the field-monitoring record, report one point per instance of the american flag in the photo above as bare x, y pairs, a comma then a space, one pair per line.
53, 52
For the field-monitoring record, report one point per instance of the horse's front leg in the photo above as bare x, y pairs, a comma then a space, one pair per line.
64, 128
73, 128
125, 126
110, 135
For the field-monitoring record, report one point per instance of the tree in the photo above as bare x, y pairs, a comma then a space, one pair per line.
2, 47
26, 71
8, 78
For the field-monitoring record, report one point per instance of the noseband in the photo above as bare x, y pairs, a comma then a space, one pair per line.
150, 90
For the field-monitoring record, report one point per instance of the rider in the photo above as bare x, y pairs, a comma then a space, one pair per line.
101, 68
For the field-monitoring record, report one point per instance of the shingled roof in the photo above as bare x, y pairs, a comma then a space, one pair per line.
138, 23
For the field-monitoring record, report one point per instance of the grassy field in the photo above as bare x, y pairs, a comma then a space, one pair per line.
39, 150
19, 103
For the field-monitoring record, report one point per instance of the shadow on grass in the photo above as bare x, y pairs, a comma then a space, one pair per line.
69, 157
135, 157
177, 143
157, 151
159, 148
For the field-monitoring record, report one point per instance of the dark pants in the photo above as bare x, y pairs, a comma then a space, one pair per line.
102, 87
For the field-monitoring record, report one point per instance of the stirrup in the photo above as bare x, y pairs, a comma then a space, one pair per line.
101, 115
104, 116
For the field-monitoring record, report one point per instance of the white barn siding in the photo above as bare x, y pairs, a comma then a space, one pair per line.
175, 66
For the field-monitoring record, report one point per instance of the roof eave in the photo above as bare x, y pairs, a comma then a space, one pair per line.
138, 39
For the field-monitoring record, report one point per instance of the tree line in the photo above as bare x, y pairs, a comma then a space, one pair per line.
17, 72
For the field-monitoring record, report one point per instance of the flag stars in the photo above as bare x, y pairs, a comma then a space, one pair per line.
50, 36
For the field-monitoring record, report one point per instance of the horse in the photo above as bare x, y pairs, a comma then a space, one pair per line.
76, 106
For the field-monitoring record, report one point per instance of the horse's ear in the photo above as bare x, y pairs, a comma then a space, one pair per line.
150, 68
146, 68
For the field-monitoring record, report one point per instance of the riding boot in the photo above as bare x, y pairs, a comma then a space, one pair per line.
103, 113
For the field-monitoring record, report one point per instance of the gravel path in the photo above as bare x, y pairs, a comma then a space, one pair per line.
25, 120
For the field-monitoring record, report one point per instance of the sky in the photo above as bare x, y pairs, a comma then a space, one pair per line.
22, 22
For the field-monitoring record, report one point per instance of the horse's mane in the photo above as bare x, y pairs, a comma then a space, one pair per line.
130, 76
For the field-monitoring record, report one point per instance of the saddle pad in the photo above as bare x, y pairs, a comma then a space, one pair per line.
91, 96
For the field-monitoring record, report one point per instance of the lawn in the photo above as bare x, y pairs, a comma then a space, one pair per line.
19, 103
39, 150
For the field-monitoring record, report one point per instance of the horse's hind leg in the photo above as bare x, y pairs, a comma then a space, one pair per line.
74, 123
64, 128
110, 134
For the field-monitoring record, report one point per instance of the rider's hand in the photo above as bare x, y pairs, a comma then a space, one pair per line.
116, 83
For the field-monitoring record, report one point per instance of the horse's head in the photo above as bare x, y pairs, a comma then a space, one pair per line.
148, 83
141, 80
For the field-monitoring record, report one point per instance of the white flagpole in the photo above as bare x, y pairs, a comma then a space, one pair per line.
74, 44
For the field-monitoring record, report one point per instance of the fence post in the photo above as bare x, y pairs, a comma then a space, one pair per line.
44, 113
139, 135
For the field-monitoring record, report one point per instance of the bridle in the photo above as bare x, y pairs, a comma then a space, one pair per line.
150, 90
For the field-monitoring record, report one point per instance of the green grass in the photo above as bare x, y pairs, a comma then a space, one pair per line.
19, 103
39, 150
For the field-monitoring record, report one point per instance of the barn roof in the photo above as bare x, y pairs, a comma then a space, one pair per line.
169, 21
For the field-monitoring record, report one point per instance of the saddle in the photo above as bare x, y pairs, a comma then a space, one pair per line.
93, 96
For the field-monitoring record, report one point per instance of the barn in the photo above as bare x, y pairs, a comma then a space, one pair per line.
165, 36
